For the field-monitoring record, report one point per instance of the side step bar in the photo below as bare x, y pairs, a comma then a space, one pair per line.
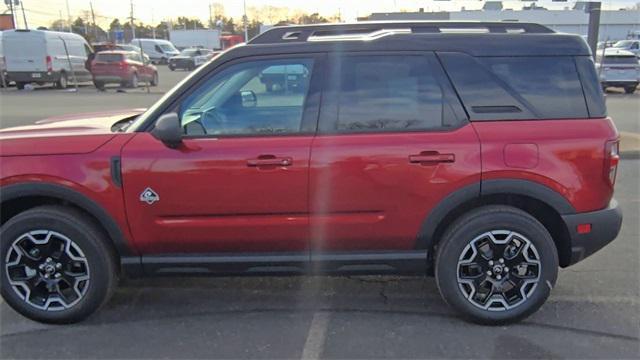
255, 264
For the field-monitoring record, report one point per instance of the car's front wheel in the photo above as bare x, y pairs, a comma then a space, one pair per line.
496, 265
630, 89
56, 265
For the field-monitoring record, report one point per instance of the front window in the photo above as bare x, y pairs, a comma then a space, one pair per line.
253, 98
190, 52
167, 48
623, 44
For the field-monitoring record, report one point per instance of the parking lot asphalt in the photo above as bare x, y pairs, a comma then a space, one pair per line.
593, 312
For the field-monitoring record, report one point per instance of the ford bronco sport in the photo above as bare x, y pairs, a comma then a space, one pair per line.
479, 153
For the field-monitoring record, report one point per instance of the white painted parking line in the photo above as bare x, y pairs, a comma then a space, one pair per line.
314, 345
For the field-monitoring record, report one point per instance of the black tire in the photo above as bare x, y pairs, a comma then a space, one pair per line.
99, 258
457, 241
155, 79
172, 68
20, 85
630, 89
99, 85
134, 82
63, 82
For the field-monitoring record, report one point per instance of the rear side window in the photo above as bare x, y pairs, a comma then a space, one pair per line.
108, 57
388, 93
495, 88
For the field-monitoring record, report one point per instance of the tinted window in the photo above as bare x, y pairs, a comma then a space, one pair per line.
618, 60
494, 88
250, 99
101, 57
591, 85
387, 93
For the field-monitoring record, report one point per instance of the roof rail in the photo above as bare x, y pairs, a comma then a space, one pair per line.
370, 30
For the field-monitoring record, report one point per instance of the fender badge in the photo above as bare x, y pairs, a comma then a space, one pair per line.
149, 196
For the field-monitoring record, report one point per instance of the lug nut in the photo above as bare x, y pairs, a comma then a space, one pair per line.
49, 259
490, 262
498, 277
34, 252
506, 268
46, 276
41, 267
501, 261
58, 275
489, 273
58, 266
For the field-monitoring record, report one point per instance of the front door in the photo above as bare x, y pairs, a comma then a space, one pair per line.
393, 142
239, 181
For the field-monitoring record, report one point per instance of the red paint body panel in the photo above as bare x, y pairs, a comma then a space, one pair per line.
365, 194
211, 200
571, 156
88, 174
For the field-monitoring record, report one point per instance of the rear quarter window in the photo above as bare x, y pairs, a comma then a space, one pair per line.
505, 88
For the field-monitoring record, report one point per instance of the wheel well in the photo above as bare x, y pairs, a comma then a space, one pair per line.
13, 207
540, 210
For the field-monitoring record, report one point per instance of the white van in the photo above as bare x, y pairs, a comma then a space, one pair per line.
38, 56
159, 51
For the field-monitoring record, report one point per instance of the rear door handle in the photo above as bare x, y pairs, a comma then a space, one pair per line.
431, 157
270, 160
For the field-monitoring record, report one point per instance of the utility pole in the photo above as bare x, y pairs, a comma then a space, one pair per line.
93, 19
24, 17
593, 8
13, 20
245, 21
133, 25
68, 17
210, 18
153, 24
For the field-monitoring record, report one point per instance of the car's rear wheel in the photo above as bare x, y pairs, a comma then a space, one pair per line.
172, 68
630, 89
133, 82
496, 265
56, 265
154, 79
63, 82
99, 85
20, 85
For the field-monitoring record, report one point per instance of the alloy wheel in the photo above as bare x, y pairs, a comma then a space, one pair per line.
498, 270
47, 270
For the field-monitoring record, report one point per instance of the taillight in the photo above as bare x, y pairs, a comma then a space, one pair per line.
612, 160
49, 63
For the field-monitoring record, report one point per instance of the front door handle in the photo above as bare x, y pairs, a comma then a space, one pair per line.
431, 157
270, 160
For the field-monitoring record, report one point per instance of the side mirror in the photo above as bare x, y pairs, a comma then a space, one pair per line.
249, 99
168, 130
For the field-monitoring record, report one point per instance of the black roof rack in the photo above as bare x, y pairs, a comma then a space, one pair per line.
369, 30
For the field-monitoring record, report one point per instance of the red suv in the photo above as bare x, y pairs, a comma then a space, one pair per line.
480, 153
123, 67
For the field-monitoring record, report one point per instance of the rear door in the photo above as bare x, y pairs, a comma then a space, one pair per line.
239, 182
393, 142
24, 52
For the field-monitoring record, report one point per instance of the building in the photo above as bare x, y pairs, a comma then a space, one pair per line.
614, 25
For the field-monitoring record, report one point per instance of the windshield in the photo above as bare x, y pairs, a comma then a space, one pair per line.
167, 48
101, 57
623, 44
189, 52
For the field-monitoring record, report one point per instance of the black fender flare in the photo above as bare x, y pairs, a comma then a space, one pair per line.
475, 192
62, 193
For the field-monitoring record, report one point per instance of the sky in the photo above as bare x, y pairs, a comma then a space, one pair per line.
43, 12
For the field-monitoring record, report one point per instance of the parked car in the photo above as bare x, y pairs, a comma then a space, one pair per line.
285, 77
39, 56
123, 67
629, 45
618, 68
159, 51
402, 152
190, 58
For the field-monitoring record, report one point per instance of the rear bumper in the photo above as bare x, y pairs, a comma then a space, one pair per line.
605, 226
110, 78
33, 76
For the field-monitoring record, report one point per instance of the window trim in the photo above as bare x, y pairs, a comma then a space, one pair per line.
311, 106
329, 108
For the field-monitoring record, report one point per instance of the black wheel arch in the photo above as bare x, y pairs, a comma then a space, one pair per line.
542, 202
29, 195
